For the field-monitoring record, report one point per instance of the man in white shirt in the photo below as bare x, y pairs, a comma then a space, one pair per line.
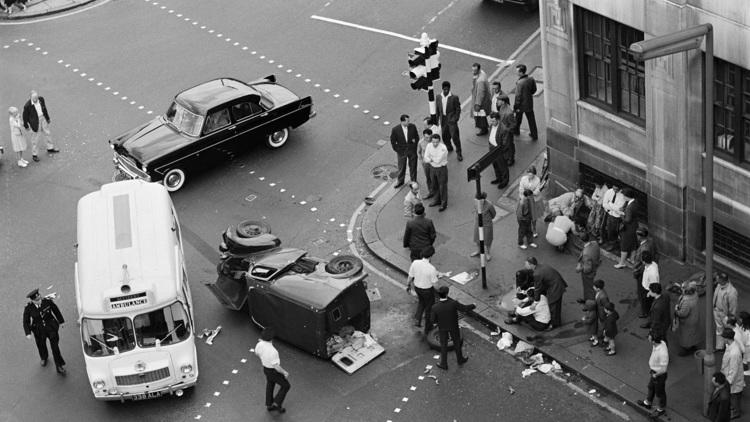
650, 275
537, 315
422, 277
436, 155
614, 206
496, 93
557, 231
275, 374
657, 363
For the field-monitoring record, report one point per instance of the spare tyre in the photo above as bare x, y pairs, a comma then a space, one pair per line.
252, 228
344, 266
433, 339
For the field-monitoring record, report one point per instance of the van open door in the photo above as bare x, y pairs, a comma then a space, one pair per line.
231, 290
355, 356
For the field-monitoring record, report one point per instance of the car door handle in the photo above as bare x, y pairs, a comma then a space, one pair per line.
233, 127
264, 114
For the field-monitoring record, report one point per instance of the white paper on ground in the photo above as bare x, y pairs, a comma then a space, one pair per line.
462, 278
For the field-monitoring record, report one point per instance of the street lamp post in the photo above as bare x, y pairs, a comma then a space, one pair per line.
677, 42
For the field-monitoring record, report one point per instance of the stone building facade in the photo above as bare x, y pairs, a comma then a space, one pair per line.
641, 124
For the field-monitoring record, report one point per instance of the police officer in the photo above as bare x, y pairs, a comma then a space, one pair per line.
42, 317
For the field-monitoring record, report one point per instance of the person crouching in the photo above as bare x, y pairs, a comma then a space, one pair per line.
536, 315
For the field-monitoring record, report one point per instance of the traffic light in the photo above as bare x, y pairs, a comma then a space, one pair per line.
418, 70
424, 65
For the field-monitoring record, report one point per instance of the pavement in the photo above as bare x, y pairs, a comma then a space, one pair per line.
624, 375
38, 8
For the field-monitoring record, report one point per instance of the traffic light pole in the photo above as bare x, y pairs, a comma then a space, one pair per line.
482, 257
431, 103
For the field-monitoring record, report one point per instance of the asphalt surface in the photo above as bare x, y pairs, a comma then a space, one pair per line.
116, 65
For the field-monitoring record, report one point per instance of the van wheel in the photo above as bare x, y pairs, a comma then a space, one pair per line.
433, 339
278, 138
344, 266
251, 228
174, 179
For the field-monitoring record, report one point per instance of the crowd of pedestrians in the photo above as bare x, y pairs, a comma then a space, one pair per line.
32, 123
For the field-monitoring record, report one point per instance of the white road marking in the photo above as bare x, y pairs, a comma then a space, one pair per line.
405, 37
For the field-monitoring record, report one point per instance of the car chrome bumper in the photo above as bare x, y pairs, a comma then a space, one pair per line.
123, 168
168, 390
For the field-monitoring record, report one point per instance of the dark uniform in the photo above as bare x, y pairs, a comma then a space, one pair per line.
445, 315
42, 318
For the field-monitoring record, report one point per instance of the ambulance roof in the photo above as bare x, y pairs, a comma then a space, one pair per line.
126, 236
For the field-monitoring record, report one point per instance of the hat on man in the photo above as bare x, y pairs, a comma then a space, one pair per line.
531, 260
728, 333
34, 294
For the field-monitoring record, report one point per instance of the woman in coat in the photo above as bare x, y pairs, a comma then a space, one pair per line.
16, 135
689, 330
532, 182
488, 214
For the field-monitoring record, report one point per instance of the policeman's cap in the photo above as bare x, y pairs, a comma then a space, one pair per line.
34, 294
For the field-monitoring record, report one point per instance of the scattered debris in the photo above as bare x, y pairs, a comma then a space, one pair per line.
212, 336
527, 372
506, 341
434, 377
592, 391
511, 390
495, 333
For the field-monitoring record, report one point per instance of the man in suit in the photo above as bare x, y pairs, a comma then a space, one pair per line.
548, 282
495, 141
588, 264
419, 234
404, 140
448, 113
480, 98
445, 314
524, 103
42, 318
660, 315
36, 119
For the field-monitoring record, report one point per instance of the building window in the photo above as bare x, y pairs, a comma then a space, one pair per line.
610, 77
732, 111
729, 244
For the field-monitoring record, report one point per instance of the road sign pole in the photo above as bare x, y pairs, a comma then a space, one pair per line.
482, 257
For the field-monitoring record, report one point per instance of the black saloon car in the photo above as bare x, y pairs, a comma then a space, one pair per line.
206, 124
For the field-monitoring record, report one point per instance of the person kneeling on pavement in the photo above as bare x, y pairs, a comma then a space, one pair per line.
535, 314
558, 229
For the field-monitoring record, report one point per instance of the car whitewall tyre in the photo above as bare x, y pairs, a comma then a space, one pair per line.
174, 179
278, 138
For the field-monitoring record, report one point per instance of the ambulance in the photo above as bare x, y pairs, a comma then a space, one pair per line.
132, 294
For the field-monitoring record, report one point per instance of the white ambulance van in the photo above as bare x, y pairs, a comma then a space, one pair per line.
132, 293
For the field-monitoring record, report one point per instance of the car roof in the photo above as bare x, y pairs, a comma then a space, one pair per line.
201, 98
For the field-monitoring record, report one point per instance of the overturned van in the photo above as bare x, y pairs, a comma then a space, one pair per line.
307, 300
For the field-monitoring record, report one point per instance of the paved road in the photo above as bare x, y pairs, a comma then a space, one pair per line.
117, 65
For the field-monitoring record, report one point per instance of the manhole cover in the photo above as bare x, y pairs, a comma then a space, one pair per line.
385, 171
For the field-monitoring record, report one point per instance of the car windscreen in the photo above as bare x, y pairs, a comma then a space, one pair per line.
184, 120
163, 326
105, 337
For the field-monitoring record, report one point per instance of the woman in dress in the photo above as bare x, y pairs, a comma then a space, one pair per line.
16, 135
533, 183
596, 216
488, 214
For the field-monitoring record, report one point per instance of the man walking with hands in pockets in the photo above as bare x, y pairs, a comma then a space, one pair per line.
273, 371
